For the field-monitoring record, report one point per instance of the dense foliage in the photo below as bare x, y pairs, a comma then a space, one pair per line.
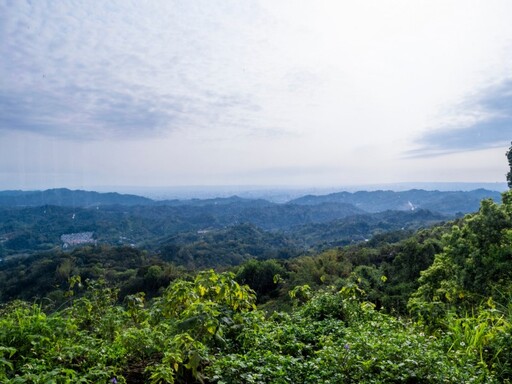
509, 174
209, 330
399, 255
475, 263
434, 306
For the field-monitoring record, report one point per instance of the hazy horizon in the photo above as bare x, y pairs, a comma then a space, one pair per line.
278, 193
259, 93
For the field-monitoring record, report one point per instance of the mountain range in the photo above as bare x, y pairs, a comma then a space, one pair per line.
445, 202
450, 203
35, 221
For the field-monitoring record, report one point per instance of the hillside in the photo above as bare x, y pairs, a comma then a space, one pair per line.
429, 307
449, 203
358, 228
36, 221
67, 198
34, 229
446, 202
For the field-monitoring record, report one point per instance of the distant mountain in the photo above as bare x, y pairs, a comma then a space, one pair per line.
378, 201
363, 227
35, 221
284, 216
68, 198
315, 208
64, 197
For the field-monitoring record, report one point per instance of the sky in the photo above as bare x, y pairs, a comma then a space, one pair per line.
253, 92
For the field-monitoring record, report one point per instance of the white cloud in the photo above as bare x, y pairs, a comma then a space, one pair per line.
290, 90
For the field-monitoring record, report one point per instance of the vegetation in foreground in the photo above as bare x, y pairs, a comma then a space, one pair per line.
208, 328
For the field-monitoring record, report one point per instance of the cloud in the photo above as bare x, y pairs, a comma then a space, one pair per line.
202, 88
483, 121
86, 114
118, 70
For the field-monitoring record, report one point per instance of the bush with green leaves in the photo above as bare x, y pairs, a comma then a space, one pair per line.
475, 264
207, 329
336, 338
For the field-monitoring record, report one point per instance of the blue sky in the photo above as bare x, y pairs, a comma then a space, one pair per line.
256, 92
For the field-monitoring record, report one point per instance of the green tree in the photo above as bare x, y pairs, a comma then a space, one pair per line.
262, 276
475, 263
509, 174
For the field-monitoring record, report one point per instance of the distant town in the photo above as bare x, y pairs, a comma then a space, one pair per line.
73, 239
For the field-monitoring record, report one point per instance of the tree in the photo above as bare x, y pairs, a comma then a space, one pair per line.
475, 263
262, 276
509, 174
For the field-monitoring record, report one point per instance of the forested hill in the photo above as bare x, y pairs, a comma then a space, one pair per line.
68, 198
37, 221
451, 202
29, 229
432, 307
